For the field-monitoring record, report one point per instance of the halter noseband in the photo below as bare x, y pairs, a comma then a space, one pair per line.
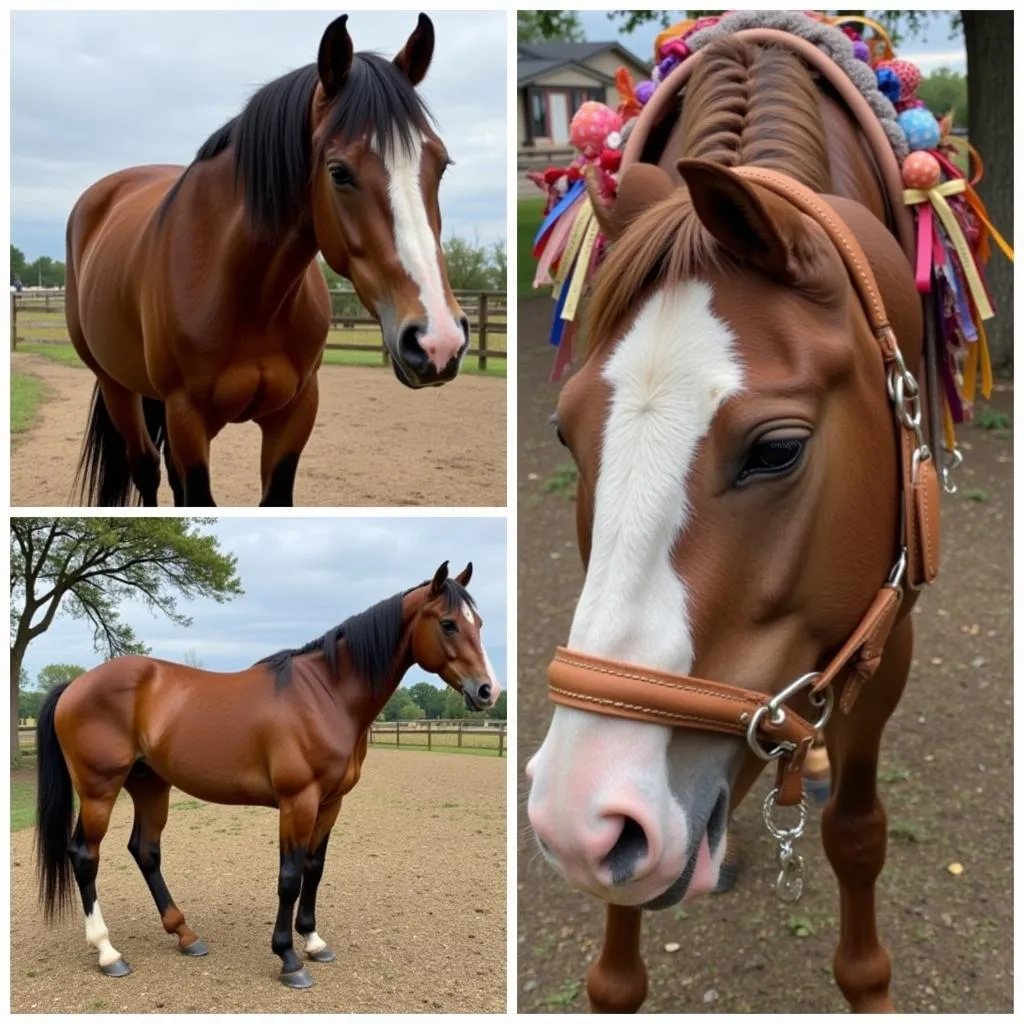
624, 690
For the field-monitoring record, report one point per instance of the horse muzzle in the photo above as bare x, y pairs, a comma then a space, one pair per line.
480, 696
423, 359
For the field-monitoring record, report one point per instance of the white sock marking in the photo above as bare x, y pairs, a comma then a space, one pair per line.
96, 935
314, 943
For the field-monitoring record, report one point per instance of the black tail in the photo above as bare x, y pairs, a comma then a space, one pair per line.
104, 476
54, 810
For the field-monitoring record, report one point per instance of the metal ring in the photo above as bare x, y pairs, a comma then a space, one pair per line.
783, 835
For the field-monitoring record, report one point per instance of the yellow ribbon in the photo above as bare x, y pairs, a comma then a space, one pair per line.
937, 197
579, 277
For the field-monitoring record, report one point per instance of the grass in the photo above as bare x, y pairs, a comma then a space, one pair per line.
529, 217
437, 748
23, 804
45, 334
26, 393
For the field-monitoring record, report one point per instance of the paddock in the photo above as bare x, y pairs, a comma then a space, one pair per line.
375, 442
412, 901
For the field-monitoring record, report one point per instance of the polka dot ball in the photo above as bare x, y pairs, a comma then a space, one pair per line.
921, 170
591, 125
920, 128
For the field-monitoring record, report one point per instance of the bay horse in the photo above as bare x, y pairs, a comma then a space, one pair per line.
754, 520
291, 732
194, 295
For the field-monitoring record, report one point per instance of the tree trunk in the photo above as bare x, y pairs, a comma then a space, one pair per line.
988, 38
17, 656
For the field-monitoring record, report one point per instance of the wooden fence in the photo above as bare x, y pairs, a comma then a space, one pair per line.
487, 734
347, 314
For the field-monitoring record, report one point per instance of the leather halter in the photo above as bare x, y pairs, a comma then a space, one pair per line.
624, 690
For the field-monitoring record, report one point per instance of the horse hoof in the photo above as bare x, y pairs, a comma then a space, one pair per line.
323, 956
198, 948
297, 979
727, 876
118, 969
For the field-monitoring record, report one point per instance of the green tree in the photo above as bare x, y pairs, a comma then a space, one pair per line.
454, 704
944, 91
428, 697
500, 709
538, 26
45, 272
474, 267
18, 264
54, 675
86, 568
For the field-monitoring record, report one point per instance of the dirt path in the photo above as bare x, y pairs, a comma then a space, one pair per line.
412, 902
375, 443
946, 771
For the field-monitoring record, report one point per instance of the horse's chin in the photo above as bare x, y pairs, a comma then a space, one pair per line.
406, 377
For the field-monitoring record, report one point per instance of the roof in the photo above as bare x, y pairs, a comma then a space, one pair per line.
534, 59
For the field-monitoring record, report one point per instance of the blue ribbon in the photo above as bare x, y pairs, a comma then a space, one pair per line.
560, 207
558, 324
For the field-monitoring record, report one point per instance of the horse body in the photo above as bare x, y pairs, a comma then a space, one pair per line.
738, 504
194, 294
291, 733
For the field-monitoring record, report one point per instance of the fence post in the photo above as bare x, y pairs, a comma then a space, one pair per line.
14, 321
482, 314
398, 732
47, 300
460, 732
428, 734
501, 742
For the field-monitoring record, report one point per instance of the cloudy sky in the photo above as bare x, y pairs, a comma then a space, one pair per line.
932, 49
92, 93
302, 576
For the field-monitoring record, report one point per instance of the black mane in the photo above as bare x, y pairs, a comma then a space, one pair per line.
271, 137
372, 636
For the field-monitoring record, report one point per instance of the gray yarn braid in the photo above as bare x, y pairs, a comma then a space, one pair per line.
829, 39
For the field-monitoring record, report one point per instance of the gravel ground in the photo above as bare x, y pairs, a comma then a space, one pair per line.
374, 443
946, 779
412, 902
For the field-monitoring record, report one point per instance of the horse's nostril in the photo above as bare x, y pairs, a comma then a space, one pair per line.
464, 323
629, 850
410, 349
484, 692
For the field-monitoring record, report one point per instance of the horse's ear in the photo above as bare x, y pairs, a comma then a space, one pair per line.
414, 58
641, 186
466, 575
439, 579
755, 227
334, 58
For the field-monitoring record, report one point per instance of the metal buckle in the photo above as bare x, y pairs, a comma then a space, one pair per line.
774, 707
948, 464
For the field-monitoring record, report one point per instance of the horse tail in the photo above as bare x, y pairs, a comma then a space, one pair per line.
54, 810
103, 476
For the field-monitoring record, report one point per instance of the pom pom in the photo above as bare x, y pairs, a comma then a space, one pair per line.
908, 75
920, 128
921, 170
911, 104
666, 67
888, 83
644, 92
591, 125
861, 51
675, 48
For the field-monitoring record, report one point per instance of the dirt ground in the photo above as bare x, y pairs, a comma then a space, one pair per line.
412, 902
946, 771
375, 443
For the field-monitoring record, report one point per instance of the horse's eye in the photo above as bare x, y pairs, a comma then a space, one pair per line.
772, 456
449, 626
342, 176
558, 431
448, 163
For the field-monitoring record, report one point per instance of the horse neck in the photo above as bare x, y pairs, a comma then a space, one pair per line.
267, 270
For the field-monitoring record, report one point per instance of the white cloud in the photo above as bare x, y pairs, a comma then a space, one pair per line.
92, 93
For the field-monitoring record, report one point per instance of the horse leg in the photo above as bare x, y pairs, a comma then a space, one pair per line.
125, 410
177, 489
285, 434
853, 828
84, 851
151, 796
305, 920
297, 825
188, 436
617, 980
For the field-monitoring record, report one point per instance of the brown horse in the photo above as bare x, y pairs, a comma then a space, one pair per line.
738, 508
194, 296
290, 732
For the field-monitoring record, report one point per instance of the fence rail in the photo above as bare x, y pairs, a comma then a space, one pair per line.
347, 314
488, 734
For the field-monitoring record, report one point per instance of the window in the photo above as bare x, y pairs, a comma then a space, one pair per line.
538, 115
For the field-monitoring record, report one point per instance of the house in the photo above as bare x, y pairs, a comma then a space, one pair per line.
555, 78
